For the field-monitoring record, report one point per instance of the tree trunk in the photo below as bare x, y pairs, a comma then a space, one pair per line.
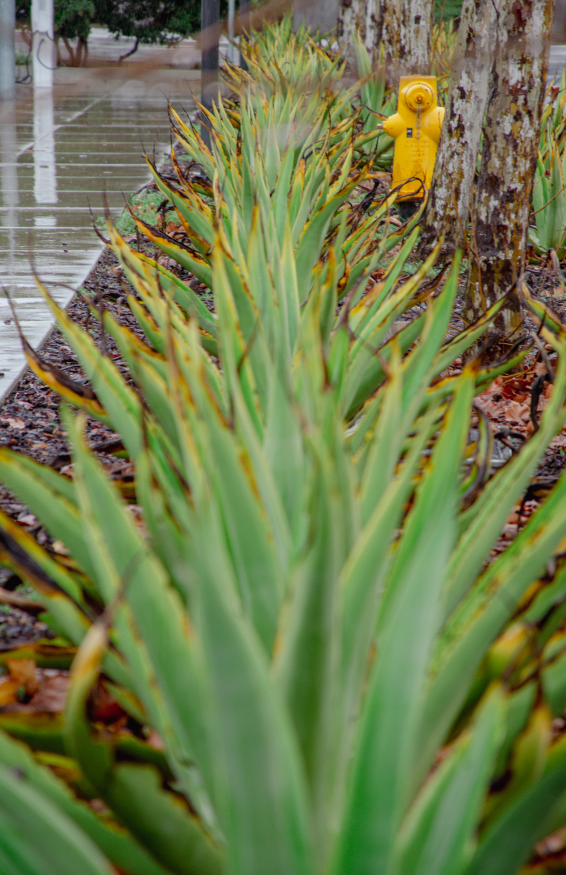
511, 141
448, 205
415, 37
404, 28
389, 32
373, 28
352, 16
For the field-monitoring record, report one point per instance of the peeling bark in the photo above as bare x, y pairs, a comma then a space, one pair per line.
415, 37
373, 28
389, 32
352, 17
403, 30
511, 139
451, 188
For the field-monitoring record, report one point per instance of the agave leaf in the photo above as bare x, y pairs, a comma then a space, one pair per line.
308, 246
132, 348
148, 325
362, 581
121, 559
500, 495
160, 823
59, 589
522, 561
368, 379
112, 840
242, 338
251, 545
365, 310
168, 535
309, 655
527, 763
197, 219
132, 791
505, 846
283, 446
465, 339
372, 331
266, 486
52, 498
280, 193
480, 620
554, 684
259, 785
40, 732
48, 840
436, 324
142, 270
151, 373
437, 835
51, 378
188, 259
408, 620
120, 402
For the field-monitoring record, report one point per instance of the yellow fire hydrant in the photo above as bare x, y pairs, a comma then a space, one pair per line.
415, 127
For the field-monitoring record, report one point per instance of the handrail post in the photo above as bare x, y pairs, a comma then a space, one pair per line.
7, 49
210, 31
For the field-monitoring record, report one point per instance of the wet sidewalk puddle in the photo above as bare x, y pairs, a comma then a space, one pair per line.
63, 150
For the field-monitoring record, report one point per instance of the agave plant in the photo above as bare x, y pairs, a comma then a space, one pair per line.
553, 120
309, 619
374, 102
444, 37
549, 203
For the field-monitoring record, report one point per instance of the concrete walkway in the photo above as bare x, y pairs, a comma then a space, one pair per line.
61, 151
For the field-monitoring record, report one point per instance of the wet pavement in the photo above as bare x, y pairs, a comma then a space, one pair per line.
104, 48
557, 61
62, 152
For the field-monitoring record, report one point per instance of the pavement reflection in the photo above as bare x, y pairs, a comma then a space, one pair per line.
62, 152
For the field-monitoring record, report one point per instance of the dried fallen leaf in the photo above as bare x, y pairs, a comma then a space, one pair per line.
28, 520
104, 707
59, 547
23, 673
155, 740
8, 691
52, 693
517, 412
13, 421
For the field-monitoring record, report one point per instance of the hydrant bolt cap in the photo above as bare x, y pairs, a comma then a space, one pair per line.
419, 96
